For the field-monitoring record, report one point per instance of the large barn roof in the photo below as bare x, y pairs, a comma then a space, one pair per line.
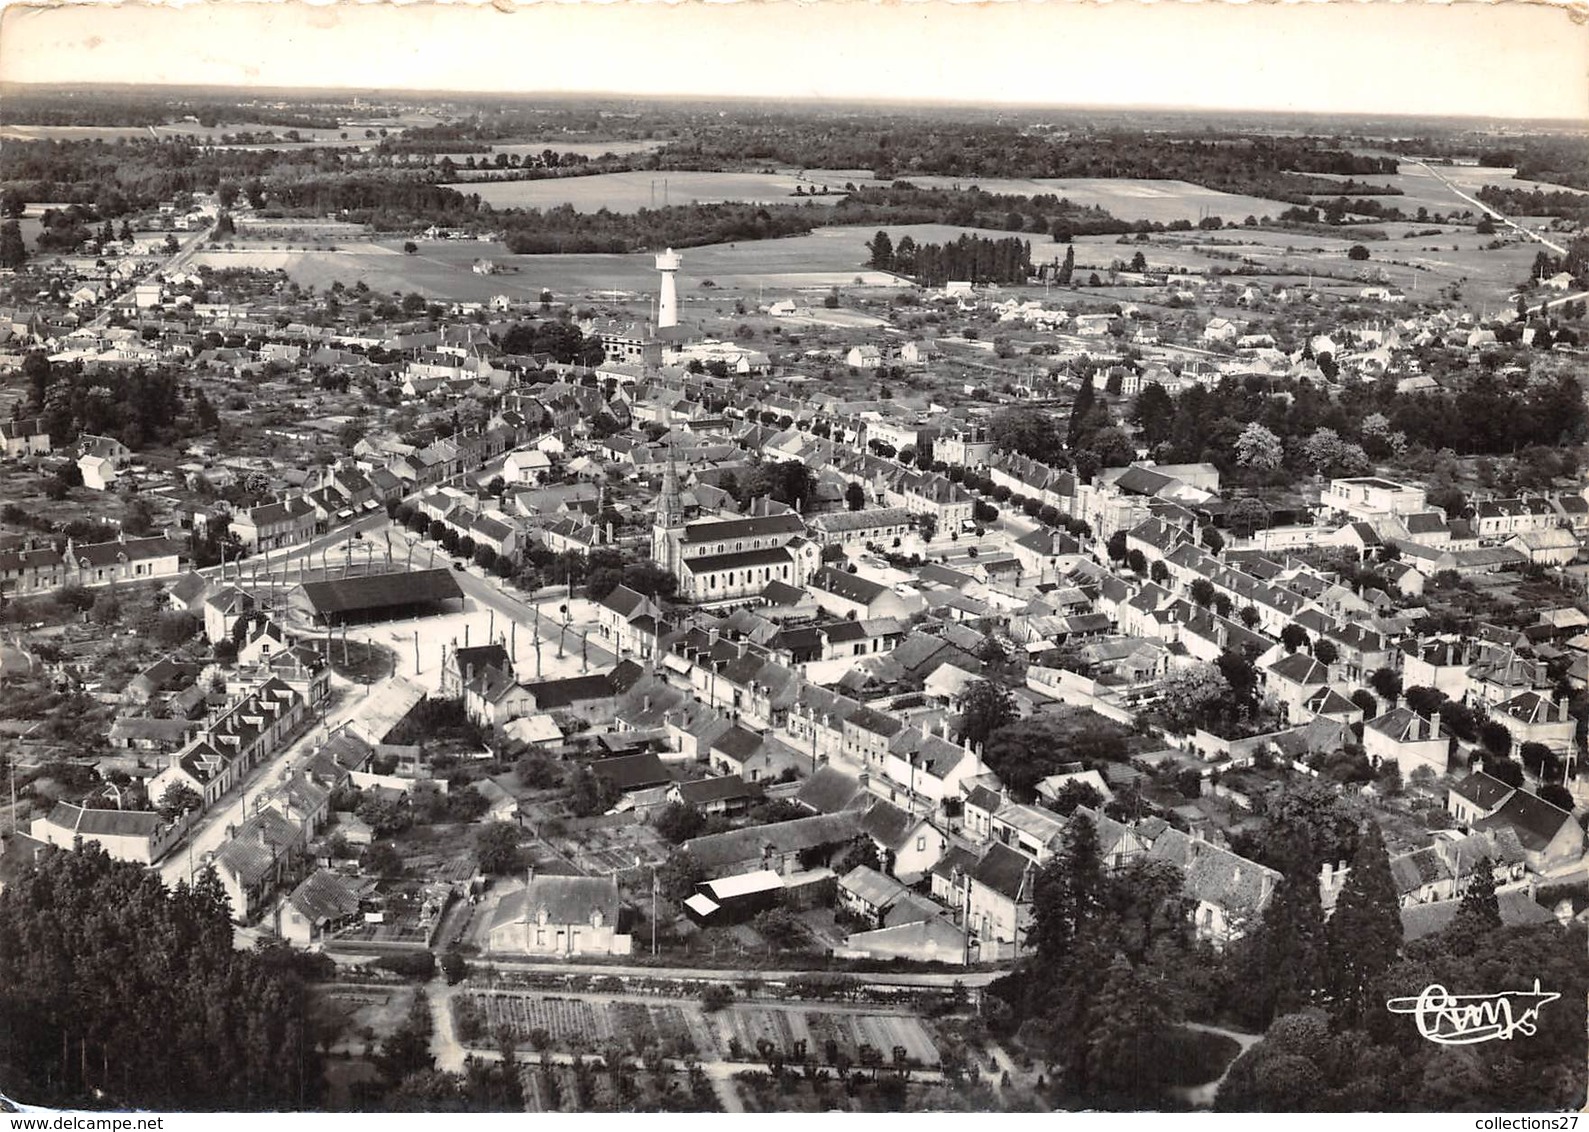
381, 591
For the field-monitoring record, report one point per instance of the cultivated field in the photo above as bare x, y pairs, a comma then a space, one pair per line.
630, 192
1421, 188
1125, 198
580, 1025
587, 1024
441, 269
786, 1026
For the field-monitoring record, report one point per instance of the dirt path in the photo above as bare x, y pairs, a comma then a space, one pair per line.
1202, 1096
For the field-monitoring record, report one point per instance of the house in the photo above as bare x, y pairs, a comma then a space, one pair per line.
560, 916
998, 903
1552, 547
126, 835
323, 902
864, 357
500, 805
1404, 737
842, 594
729, 795
24, 437
1228, 891
256, 860
1551, 837
1530, 717
99, 473
1476, 797
908, 844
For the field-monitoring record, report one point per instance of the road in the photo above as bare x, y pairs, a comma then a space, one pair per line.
365, 710
1490, 212
170, 263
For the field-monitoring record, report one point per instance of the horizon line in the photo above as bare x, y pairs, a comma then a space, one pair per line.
806, 100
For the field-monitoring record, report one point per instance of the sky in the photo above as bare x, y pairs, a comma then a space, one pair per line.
1505, 60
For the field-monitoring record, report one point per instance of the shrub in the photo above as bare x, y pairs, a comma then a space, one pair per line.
716, 996
417, 965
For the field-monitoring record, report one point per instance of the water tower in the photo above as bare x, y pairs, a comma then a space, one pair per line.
668, 308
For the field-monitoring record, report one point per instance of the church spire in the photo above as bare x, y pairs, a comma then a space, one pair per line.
670, 506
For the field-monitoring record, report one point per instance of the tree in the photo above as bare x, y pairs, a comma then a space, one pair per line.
1127, 1042
985, 706
1505, 770
382, 859
1557, 795
177, 799
1495, 738
1294, 638
1116, 547
409, 247
855, 495
1185, 696
1479, 906
96, 1015
1137, 562
13, 250
882, 249
1080, 411
679, 874
1068, 891
1386, 683
1357, 253
677, 822
1259, 448
1365, 931
1213, 540
1250, 616
1202, 592
497, 848
1029, 433
1159, 572
1325, 652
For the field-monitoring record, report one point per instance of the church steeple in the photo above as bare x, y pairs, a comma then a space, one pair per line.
670, 504
669, 525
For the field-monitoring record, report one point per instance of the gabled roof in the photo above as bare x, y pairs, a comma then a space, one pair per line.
1535, 820
1483, 791
831, 790
1006, 872
324, 896
564, 900
631, 772
726, 788
1300, 668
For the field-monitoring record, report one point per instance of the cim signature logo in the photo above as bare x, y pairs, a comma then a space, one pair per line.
1467, 1019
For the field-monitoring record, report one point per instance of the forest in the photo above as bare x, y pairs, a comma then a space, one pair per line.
1115, 973
116, 993
974, 258
1278, 168
1486, 414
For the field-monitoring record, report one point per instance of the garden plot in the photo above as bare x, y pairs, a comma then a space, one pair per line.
578, 1025
849, 1031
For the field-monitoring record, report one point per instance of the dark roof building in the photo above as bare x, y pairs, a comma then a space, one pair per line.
376, 597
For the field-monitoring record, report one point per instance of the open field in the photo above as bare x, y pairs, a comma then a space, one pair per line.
630, 192
1125, 198
1421, 189
1419, 265
441, 269
1163, 201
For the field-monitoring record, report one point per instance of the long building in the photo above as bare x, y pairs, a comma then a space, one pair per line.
376, 597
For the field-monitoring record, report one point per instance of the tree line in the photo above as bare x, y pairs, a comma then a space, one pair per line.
118, 993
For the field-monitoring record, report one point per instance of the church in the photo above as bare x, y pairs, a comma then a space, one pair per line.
729, 557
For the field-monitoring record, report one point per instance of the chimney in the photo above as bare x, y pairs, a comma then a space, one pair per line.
645, 703
1326, 874
1434, 726
468, 674
1562, 705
